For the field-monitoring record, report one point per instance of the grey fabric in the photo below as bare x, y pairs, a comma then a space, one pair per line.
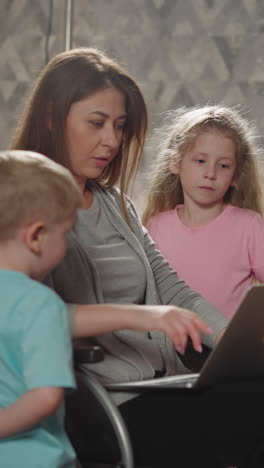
112, 255
130, 355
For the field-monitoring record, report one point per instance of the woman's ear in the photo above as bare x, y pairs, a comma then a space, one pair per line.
175, 166
33, 236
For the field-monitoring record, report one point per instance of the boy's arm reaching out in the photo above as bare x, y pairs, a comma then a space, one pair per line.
177, 323
30, 409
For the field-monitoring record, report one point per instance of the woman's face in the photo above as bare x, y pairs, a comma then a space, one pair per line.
94, 132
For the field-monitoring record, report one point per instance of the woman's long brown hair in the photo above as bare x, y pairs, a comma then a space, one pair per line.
70, 77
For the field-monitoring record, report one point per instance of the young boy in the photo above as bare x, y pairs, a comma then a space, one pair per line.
38, 200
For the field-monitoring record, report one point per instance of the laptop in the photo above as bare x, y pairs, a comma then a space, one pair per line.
238, 355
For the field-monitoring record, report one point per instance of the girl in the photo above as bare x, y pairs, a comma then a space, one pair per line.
205, 204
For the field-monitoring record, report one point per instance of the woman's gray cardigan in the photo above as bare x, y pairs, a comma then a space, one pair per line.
131, 355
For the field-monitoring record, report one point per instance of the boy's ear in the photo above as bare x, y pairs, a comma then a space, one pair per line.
33, 236
175, 166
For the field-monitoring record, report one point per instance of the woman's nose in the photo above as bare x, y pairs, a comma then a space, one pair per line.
110, 137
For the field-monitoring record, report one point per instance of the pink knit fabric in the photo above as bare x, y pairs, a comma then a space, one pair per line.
219, 259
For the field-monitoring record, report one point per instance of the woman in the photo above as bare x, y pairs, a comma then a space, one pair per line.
88, 114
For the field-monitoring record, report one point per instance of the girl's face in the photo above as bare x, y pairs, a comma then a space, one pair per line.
94, 132
207, 169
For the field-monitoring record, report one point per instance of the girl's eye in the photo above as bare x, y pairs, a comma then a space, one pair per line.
200, 161
224, 166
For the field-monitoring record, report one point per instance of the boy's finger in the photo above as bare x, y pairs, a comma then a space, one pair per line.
195, 338
203, 326
179, 336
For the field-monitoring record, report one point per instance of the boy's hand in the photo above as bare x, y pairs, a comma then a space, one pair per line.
178, 324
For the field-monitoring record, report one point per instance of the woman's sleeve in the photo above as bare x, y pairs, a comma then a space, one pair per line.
172, 290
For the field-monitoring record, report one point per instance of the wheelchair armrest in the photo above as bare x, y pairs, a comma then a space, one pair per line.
87, 353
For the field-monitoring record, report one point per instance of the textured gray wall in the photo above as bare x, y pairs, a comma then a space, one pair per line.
182, 52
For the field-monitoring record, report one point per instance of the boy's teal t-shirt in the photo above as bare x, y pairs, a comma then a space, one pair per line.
35, 352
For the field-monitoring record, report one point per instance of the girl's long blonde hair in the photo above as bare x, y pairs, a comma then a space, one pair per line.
178, 134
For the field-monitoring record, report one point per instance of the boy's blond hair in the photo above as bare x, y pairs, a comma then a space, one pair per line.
33, 187
179, 133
